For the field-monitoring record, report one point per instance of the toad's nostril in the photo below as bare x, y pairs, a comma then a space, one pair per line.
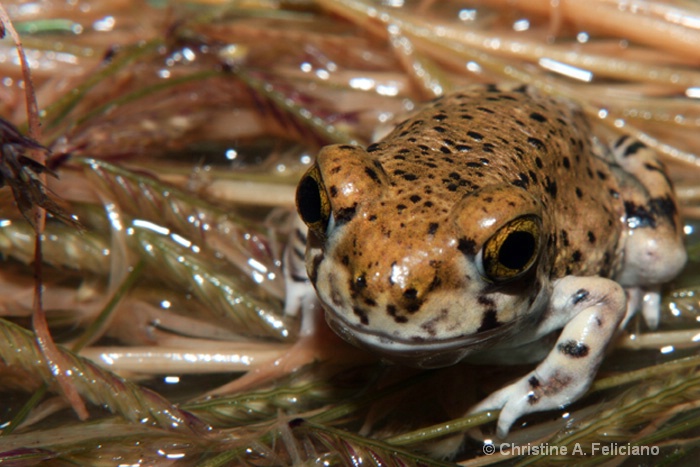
410, 294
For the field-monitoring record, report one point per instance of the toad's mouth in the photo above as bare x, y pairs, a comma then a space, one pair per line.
419, 352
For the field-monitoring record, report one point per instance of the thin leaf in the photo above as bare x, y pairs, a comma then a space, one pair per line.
351, 449
224, 295
145, 197
63, 246
99, 386
308, 389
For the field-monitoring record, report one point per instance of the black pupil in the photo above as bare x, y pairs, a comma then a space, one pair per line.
309, 200
517, 250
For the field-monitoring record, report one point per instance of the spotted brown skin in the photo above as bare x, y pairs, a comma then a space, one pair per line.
421, 197
487, 220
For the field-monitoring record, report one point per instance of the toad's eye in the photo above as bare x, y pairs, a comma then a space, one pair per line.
312, 201
513, 250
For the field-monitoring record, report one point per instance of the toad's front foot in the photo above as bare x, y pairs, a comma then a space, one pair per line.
592, 309
540, 390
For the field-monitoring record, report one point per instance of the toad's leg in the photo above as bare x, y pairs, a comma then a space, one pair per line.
592, 308
654, 251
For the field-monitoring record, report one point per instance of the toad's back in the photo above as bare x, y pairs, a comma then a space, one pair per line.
474, 139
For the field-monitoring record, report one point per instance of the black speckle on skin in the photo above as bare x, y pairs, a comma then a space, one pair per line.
488, 147
537, 143
435, 283
415, 198
439, 129
620, 141
486, 110
579, 193
371, 173
538, 162
633, 148
299, 254
439, 117
333, 190
551, 187
524, 180
565, 238
489, 321
579, 296
410, 294
538, 117
409, 177
576, 256
467, 246
413, 306
301, 236
400, 207
344, 215
601, 175
534, 382
475, 135
573, 349
372, 147
638, 216
432, 228
519, 183
591, 237
664, 207
660, 170
347, 147
362, 314
358, 284
463, 148
567, 164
